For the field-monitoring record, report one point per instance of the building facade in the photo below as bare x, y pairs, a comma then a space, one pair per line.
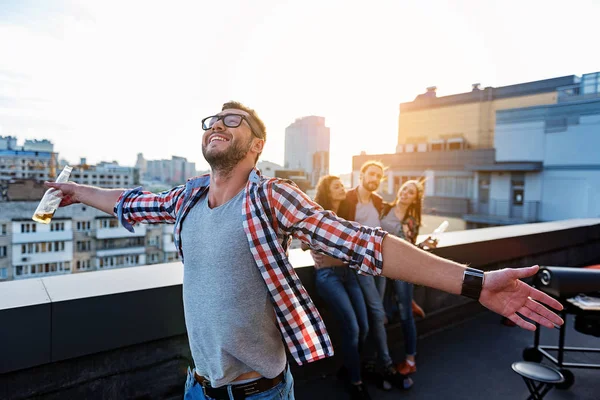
106, 175
546, 166
467, 120
171, 172
78, 239
34, 160
501, 156
307, 147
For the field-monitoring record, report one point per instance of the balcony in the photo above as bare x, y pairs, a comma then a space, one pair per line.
120, 232
503, 212
120, 250
43, 258
121, 333
45, 236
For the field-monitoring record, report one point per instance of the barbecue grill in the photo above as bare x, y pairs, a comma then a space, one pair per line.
564, 284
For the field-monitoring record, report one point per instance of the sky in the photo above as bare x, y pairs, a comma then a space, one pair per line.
106, 80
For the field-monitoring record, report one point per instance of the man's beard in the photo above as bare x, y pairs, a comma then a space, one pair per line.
370, 186
223, 162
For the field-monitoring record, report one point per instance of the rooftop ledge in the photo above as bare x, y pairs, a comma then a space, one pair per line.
29, 292
73, 318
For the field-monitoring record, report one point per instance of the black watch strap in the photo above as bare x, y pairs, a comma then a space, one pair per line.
472, 283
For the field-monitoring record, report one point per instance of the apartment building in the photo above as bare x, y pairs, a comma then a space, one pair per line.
104, 174
34, 160
546, 166
171, 172
79, 239
492, 156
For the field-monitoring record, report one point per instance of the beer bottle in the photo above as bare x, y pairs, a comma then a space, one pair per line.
51, 200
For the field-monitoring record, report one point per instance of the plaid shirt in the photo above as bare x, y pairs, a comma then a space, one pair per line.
274, 210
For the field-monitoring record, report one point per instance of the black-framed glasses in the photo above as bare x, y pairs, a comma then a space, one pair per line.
229, 120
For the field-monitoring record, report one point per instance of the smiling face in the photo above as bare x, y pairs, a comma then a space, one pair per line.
224, 147
336, 190
408, 194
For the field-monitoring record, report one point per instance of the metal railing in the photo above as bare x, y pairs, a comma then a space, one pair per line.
529, 211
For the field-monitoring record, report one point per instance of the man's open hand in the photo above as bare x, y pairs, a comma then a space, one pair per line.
505, 294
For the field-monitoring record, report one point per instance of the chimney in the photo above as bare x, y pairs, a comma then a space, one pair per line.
430, 92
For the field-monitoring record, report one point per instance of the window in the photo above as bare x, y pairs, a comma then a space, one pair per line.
57, 226
84, 245
517, 179
437, 146
518, 197
80, 265
109, 223
83, 225
3, 229
455, 145
28, 228
3, 273
453, 186
3, 251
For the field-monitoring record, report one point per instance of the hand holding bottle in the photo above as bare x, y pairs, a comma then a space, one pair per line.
51, 200
433, 239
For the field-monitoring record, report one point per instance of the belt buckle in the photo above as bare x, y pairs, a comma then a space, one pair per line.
248, 389
204, 384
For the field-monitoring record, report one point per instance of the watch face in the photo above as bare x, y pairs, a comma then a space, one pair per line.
472, 283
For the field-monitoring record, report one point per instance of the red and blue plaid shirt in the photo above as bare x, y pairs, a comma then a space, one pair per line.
274, 210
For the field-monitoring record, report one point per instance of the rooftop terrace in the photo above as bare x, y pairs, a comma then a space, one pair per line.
120, 333
472, 360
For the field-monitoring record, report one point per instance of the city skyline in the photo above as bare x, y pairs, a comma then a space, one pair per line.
140, 80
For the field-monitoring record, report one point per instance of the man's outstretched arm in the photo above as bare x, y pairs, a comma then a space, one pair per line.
372, 251
134, 205
502, 290
102, 199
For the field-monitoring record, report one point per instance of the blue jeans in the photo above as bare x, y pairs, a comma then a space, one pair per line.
377, 332
284, 390
404, 296
339, 288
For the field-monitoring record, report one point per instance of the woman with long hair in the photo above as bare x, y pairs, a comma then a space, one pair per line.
402, 218
338, 286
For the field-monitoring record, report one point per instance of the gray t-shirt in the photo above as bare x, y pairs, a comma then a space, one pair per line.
367, 215
229, 316
391, 223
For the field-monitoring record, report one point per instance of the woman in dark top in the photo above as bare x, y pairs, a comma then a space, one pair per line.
338, 286
403, 219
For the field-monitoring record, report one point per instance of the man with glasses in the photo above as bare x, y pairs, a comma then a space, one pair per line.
243, 302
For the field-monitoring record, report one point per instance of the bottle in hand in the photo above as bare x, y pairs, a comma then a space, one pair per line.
51, 200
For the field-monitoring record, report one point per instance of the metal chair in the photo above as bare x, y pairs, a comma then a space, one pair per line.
539, 378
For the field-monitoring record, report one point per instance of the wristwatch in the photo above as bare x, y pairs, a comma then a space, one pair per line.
472, 283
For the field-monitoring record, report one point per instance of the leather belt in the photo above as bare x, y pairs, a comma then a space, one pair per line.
240, 391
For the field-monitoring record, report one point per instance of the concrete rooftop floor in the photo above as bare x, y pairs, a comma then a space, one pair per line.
473, 360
